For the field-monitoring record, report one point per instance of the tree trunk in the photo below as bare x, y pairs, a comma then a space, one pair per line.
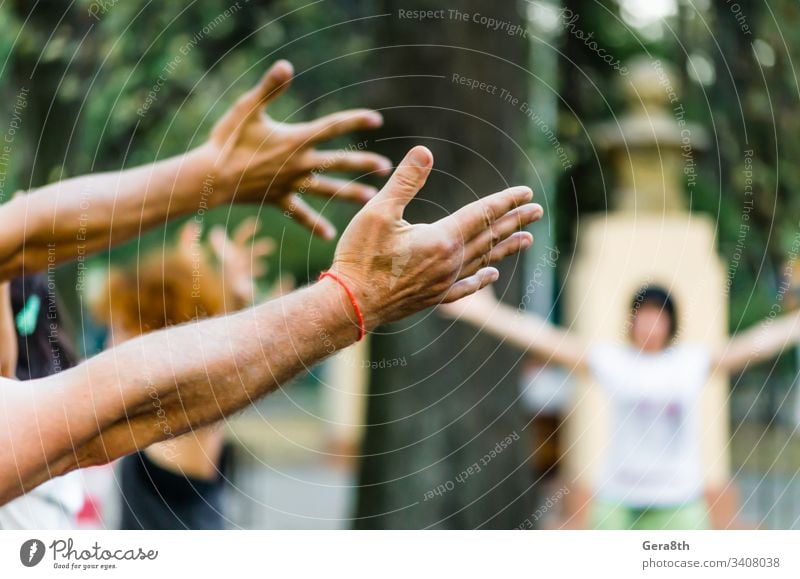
445, 445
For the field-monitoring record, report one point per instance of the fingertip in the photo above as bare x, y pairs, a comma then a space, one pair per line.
327, 232
525, 193
420, 156
409, 177
282, 70
520, 194
491, 275
374, 119
368, 192
384, 166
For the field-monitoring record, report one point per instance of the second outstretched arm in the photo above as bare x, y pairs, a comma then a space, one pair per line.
763, 341
526, 331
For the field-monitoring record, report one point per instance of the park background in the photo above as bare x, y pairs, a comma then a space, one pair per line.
93, 86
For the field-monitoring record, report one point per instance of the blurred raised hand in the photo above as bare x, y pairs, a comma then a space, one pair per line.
242, 258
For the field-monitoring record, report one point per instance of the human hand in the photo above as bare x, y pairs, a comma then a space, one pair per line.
396, 269
242, 258
256, 159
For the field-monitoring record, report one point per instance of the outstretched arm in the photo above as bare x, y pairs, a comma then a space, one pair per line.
161, 385
523, 330
249, 158
761, 342
8, 334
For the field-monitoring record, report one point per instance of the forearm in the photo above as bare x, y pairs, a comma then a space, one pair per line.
766, 340
530, 333
159, 386
8, 334
79, 216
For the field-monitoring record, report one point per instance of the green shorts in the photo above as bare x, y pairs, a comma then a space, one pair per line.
607, 515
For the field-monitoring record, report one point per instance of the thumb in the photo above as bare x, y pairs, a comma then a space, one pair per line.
406, 181
272, 84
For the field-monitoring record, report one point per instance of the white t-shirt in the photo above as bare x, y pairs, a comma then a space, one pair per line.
654, 455
52, 505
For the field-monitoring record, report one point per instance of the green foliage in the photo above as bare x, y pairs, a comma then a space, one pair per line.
134, 82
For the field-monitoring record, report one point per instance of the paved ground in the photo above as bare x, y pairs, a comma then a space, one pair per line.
284, 477
291, 497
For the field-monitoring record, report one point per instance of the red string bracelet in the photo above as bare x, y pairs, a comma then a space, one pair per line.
361, 328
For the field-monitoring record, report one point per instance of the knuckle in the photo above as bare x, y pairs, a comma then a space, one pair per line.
444, 247
452, 247
406, 181
486, 217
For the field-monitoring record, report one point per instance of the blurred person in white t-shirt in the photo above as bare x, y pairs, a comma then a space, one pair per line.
652, 470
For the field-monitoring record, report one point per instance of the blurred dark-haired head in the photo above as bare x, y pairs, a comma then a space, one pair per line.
654, 319
44, 349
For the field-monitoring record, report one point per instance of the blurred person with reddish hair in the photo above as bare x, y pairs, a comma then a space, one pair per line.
178, 483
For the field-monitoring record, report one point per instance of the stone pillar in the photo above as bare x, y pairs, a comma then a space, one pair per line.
648, 236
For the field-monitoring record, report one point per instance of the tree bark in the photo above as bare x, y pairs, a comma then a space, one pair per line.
437, 451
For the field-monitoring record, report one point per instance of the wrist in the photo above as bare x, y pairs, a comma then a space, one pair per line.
333, 315
199, 184
370, 313
351, 298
